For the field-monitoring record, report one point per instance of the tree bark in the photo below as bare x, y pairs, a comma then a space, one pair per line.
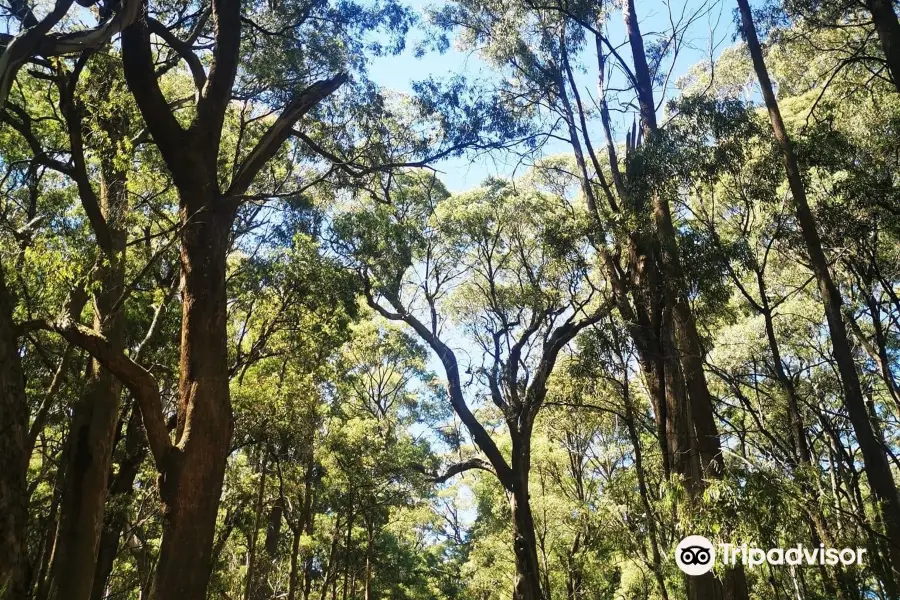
888, 28
527, 583
13, 450
191, 481
121, 490
294, 574
705, 435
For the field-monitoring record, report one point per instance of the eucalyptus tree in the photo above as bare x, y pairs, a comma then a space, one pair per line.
212, 180
542, 46
504, 272
78, 128
878, 469
14, 414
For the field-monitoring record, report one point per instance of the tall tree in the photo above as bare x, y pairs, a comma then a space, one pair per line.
878, 469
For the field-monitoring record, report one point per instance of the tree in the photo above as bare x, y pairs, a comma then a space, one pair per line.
524, 291
878, 470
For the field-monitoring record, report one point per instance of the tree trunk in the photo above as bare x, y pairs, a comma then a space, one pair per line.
13, 442
527, 583
877, 468
42, 581
308, 522
370, 541
191, 482
658, 569
803, 456
888, 29
122, 488
254, 534
527, 586
294, 574
705, 433
330, 570
574, 575
94, 419
348, 546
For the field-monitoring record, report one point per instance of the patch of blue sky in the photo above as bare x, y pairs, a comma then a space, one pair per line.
706, 28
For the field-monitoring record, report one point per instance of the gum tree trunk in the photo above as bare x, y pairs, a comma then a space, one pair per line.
191, 484
13, 454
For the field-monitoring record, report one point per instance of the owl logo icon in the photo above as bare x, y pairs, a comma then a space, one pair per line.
695, 555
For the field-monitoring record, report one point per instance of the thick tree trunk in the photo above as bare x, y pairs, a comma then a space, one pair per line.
877, 469
528, 583
91, 438
705, 435
13, 450
191, 482
122, 486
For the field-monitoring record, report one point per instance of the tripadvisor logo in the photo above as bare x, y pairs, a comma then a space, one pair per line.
696, 555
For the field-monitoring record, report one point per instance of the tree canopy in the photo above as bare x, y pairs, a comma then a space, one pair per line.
259, 341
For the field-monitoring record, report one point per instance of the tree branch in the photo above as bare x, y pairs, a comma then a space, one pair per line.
455, 469
271, 141
136, 378
537, 391
35, 40
216, 95
140, 75
479, 434
183, 49
26, 44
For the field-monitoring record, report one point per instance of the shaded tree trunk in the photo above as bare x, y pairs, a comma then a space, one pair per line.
13, 453
527, 583
42, 581
888, 28
294, 574
120, 492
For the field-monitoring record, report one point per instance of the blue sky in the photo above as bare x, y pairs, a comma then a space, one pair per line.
715, 28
